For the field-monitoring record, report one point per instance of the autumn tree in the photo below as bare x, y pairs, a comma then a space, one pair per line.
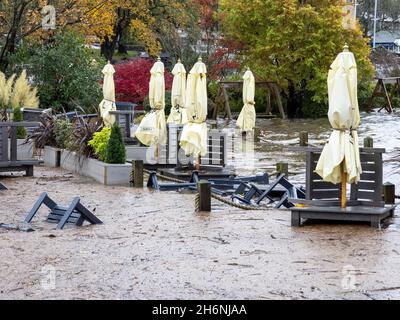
21, 19
293, 43
142, 19
107, 20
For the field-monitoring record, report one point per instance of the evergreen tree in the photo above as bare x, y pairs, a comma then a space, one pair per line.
18, 117
116, 153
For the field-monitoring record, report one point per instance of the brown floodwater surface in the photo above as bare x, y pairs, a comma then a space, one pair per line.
153, 245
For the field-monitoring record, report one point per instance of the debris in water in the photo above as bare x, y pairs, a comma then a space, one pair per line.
23, 227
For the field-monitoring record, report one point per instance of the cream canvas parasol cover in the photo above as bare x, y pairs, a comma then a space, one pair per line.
152, 130
344, 116
194, 134
108, 103
247, 117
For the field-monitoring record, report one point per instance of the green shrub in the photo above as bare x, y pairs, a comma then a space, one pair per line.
313, 109
63, 131
83, 132
213, 90
146, 103
18, 117
99, 143
65, 74
365, 91
115, 152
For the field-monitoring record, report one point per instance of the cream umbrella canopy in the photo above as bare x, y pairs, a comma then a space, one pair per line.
247, 117
108, 103
178, 95
152, 130
194, 134
340, 159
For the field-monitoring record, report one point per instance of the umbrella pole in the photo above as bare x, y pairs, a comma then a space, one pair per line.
198, 163
344, 188
157, 153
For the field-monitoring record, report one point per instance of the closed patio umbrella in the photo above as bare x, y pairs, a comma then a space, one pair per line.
178, 95
340, 159
247, 118
152, 130
108, 103
194, 134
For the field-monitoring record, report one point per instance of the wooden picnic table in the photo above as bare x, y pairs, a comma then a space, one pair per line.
382, 91
273, 95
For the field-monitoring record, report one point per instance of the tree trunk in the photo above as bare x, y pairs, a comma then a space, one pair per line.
10, 44
109, 45
293, 105
122, 49
108, 48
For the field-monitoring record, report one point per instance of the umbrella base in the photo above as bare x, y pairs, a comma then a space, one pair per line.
372, 215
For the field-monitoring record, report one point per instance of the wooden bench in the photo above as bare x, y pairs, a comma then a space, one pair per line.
8, 156
323, 199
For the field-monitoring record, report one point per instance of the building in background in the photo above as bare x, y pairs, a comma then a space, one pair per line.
389, 40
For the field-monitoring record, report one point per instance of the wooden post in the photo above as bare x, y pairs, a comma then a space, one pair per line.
278, 99
282, 168
137, 173
268, 109
368, 142
204, 190
389, 193
303, 139
227, 106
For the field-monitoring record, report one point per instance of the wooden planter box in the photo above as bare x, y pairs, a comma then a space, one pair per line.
107, 174
52, 157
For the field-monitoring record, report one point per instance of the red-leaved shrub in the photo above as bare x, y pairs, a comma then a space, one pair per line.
132, 80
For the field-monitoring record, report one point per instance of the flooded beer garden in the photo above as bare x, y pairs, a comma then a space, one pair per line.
180, 164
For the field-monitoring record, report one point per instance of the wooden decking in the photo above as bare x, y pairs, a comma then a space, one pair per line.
372, 215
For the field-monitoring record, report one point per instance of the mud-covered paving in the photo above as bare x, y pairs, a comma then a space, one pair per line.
154, 246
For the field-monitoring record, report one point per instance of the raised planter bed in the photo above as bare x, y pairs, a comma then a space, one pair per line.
147, 155
107, 174
52, 157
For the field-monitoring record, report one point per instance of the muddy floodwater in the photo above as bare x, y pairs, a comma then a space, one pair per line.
274, 136
153, 245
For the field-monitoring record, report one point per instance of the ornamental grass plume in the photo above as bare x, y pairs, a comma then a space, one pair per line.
5, 94
22, 94
5, 89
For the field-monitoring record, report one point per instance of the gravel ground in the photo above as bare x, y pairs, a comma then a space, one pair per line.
154, 246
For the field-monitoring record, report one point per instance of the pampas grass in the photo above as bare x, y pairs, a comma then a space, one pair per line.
23, 95
16, 94
5, 90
